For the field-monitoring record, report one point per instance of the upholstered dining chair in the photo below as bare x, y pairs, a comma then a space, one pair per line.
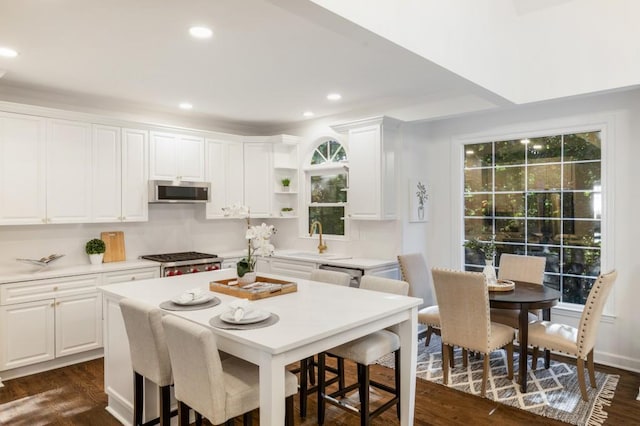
149, 356
307, 365
414, 271
217, 389
464, 315
578, 342
518, 268
364, 352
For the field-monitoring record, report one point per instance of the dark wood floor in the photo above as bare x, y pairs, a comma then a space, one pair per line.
74, 396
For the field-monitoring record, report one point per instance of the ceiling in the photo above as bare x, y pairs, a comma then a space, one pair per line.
267, 63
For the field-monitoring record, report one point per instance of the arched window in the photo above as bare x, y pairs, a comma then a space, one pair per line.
326, 196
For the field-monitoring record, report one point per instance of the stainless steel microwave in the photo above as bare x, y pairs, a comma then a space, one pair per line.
168, 191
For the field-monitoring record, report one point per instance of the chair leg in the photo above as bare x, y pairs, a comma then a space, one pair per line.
534, 358
429, 333
165, 405
183, 414
229, 422
247, 419
303, 387
198, 419
364, 394
340, 373
583, 386
445, 364
321, 390
288, 413
138, 398
451, 357
485, 374
510, 361
465, 354
590, 367
397, 384
312, 371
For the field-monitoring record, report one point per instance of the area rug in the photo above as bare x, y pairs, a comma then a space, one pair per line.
552, 392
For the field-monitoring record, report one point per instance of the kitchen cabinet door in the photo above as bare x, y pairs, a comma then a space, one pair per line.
292, 268
130, 275
257, 177
175, 156
372, 168
224, 170
78, 323
22, 169
107, 180
26, 334
69, 163
135, 169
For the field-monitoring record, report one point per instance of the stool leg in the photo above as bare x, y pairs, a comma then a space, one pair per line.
312, 371
138, 398
247, 419
165, 406
198, 419
364, 394
397, 385
183, 414
288, 416
340, 373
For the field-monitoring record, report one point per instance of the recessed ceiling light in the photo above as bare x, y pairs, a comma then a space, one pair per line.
7, 52
524, 141
308, 113
185, 105
200, 32
334, 96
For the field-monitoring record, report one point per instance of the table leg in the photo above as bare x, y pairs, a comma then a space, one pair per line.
546, 315
523, 333
408, 331
272, 399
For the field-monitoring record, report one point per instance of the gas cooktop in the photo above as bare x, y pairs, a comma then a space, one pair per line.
179, 257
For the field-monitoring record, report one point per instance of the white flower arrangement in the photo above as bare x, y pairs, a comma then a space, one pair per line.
258, 244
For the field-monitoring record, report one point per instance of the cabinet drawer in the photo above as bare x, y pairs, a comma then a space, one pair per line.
130, 275
30, 291
292, 269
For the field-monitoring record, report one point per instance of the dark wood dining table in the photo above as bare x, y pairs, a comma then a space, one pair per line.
526, 296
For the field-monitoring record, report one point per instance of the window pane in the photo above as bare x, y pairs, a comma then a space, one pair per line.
317, 158
328, 189
544, 150
582, 146
510, 230
551, 253
576, 289
340, 154
477, 205
478, 228
543, 204
544, 231
510, 205
582, 233
543, 177
581, 175
582, 205
509, 249
579, 261
509, 179
478, 155
331, 218
510, 152
478, 180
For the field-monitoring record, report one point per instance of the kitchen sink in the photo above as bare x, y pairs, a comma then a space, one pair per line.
315, 255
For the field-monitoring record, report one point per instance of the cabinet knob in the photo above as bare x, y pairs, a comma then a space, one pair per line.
52, 304
44, 220
124, 218
55, 288
133, 278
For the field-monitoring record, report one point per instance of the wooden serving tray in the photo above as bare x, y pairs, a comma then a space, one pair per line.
503, 285
263, 287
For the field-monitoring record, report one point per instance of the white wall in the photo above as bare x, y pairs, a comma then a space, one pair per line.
618, 342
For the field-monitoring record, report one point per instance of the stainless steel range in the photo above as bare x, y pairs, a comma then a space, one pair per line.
189, 262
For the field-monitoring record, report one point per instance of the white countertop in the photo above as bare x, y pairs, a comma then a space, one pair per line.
334, 259
24, 272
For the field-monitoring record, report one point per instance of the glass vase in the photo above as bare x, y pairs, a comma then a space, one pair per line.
489, 272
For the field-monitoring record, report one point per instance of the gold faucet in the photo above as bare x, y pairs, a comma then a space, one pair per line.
316, 224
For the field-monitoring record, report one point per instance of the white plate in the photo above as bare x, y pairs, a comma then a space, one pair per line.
249, 317
202, 299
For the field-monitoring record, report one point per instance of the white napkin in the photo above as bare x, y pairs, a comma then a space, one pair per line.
239, 308
189, 295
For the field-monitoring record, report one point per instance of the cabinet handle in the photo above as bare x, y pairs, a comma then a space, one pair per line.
124, 218
133, 278
44, 220
52, 304
55, 288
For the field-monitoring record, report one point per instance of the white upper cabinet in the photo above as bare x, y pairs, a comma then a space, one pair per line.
135, 169
22, 169
372, 168
68, 167
177, 157
258, 179
225, 172
119, 174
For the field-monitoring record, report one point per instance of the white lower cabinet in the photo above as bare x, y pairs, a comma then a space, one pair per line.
78, 323
292, 268
130, 275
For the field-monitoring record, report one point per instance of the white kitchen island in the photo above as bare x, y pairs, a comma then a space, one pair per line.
315, 318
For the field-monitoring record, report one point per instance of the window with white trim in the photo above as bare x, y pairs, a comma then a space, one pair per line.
326, 195
538, 197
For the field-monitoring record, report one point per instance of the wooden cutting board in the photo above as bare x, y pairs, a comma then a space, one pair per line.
114, 242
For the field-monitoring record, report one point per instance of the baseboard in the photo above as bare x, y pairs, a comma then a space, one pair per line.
28, 370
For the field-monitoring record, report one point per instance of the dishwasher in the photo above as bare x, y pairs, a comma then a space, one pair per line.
355, 273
